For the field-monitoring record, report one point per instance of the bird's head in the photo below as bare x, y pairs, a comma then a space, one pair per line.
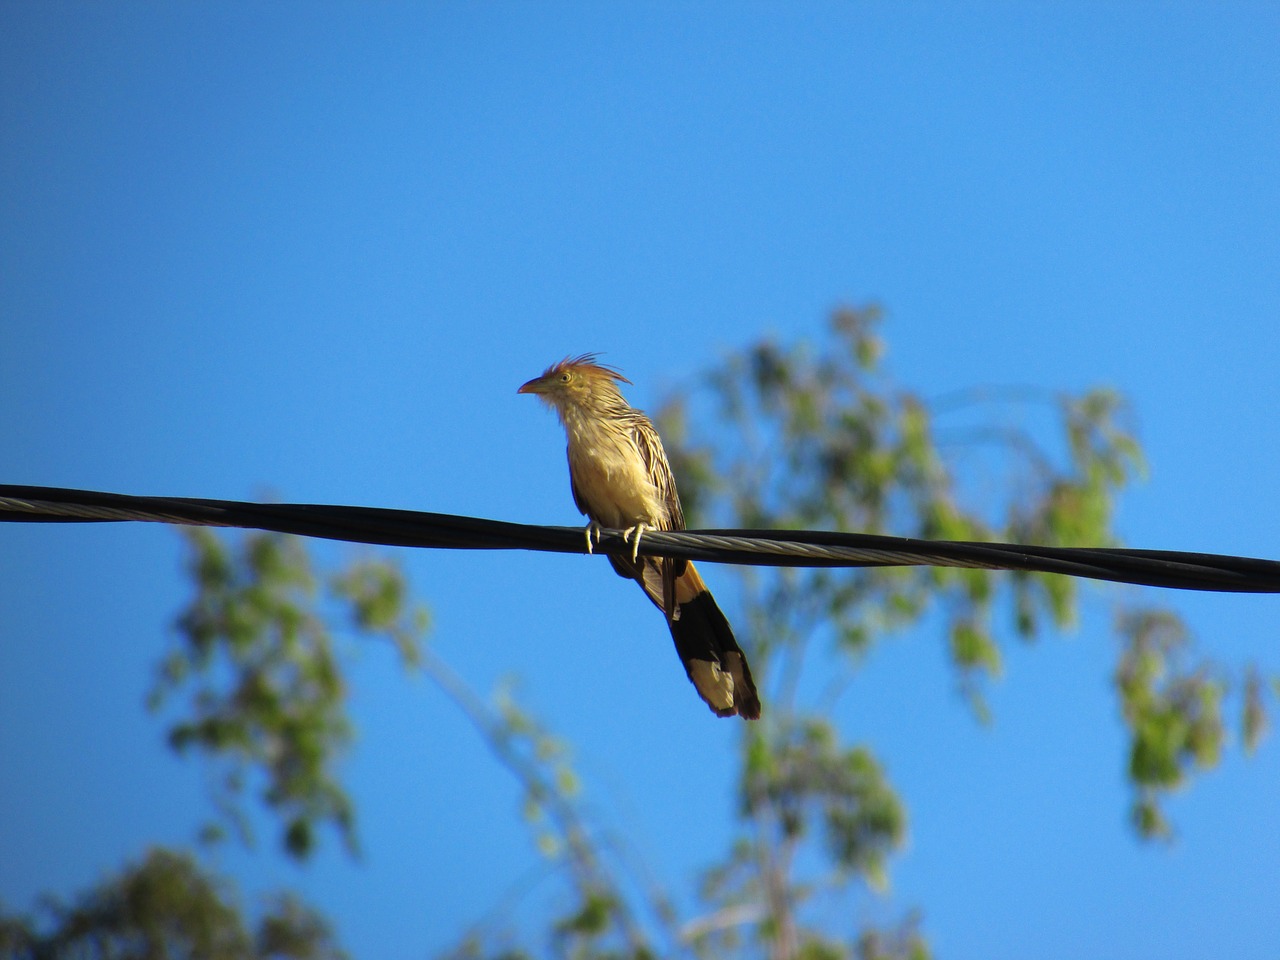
576, 382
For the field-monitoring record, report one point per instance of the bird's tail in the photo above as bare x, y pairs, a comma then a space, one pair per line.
714, 662
712, 658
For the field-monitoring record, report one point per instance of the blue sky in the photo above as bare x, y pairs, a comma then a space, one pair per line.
310, 251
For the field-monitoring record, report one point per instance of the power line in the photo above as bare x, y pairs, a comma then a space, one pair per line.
791, 548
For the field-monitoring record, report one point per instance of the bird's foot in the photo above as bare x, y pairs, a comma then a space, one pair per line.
638, 530
592, 533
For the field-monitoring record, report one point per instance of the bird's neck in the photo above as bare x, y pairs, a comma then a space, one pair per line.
583, 423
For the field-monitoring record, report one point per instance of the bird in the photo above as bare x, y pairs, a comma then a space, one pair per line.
621, 479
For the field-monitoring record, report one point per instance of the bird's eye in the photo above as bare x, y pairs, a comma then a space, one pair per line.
564, 378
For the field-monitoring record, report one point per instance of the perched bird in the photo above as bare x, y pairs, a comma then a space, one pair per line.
621, 479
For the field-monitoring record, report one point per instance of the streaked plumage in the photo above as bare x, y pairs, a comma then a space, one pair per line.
621, 479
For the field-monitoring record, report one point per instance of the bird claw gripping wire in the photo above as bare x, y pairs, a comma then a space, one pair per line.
632, 535
638, 530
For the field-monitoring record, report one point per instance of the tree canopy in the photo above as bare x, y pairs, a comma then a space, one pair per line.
811, 435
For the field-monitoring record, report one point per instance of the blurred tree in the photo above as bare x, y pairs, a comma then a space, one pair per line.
263, 685
166, 908
801, 436
819, 437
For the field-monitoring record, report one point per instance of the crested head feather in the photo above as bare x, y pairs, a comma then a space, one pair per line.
588, 364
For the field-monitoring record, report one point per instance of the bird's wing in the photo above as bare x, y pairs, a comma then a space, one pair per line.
658, 468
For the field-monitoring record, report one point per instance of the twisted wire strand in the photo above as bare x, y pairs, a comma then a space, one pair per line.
798, 548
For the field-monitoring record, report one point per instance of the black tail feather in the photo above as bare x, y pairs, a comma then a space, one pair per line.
703, 636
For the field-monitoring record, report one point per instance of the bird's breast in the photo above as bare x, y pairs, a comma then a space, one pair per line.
612, 479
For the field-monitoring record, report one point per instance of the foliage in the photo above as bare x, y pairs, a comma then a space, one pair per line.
262, 679
601, 920
809, 437
800, 436
822, 437
1174, 710
259, 664
166, 907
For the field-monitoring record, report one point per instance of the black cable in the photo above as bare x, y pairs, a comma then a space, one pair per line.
797, 548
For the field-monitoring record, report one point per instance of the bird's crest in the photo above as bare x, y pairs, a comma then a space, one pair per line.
588, 363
